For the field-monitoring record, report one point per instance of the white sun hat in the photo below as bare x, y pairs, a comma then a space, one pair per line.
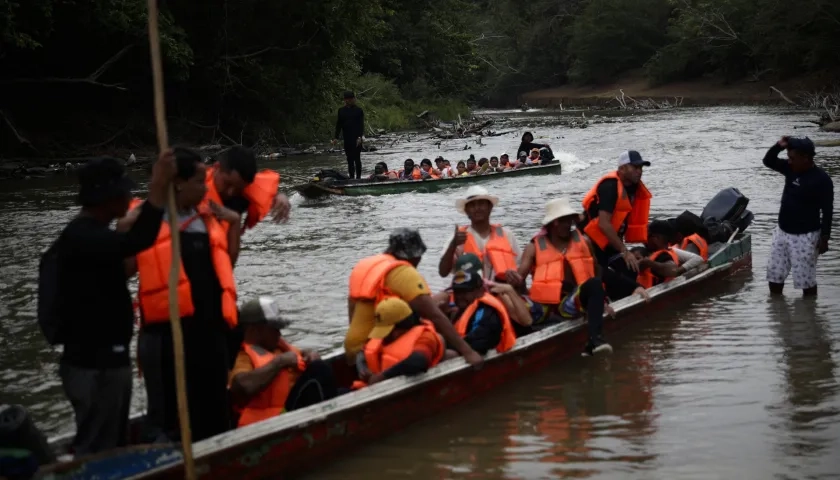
558, 208
475, 193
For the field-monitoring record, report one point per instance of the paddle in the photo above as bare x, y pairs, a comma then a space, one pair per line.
174, 270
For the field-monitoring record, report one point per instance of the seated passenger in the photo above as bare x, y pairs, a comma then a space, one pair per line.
522, 160
665, 263
441, 166
494, 165
504, 162
533, 158
427, 171
472, 168
688, 237
523, 312
380, 172
271, 376
462, 169
399, 344
410, 171
564, 279
448, 171
482, 319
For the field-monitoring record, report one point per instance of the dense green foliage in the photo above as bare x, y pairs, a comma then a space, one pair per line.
77, 71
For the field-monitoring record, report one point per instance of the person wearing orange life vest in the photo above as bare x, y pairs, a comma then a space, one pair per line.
494, 244
399, 344
664, 263
235, 183
271, 376
565, 278
616, 208
426, 167
688, 237
394, 274
206, 301
480, 318
411, 171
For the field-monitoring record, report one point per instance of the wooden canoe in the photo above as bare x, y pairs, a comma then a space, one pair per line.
299, 442
352, 188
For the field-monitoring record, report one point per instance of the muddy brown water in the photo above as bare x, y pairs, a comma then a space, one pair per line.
735, 385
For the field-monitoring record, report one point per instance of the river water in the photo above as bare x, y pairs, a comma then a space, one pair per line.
732, 386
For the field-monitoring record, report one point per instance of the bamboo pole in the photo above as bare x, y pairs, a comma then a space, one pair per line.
174, 270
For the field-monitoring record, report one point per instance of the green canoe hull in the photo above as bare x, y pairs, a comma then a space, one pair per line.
318, 189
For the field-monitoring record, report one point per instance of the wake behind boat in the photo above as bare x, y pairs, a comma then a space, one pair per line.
327, 183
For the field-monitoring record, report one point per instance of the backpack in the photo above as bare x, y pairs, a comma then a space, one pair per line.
48, 312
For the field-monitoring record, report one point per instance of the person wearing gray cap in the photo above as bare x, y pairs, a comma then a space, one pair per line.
394, 274
351, 123
801, 235
616, 210
270, 375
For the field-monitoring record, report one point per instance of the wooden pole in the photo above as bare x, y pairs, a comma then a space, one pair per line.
174, 270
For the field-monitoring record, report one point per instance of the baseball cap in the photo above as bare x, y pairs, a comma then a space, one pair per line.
262, 310
102, 179
804, 145
405, 244
468, 273
349, 94
389, 313
632, 157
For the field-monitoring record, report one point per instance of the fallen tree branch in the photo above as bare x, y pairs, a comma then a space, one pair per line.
87, 81
20, 138
108, 63
784, 97
273, 49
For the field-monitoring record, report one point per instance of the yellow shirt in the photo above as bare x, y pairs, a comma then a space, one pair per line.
405, 282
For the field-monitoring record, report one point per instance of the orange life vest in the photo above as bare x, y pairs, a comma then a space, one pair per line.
550, 268
260, 194
415, 173
647, 278
367, 280
272, 400
498, 249
635, 213
699, 242
434, 173
508, 335
381, 357
153, 270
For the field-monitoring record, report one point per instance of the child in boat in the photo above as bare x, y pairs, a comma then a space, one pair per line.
462, 169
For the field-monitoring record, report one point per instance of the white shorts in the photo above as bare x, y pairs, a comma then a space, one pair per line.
793, 253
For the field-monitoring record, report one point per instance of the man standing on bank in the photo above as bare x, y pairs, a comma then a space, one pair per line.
801, 234
351, 122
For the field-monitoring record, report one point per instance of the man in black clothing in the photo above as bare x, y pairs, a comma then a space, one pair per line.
801, 234
351, 122
94, 303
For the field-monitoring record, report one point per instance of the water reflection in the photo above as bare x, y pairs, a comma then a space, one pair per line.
808, 413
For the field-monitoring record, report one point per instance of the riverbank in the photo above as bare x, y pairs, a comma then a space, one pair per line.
701, 92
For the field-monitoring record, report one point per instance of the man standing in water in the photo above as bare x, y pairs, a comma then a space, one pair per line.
351, 122
800, 235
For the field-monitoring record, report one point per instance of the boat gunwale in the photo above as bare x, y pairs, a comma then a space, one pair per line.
314, 414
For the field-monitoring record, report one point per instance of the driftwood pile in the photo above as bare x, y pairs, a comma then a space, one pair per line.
827, 102
648, 104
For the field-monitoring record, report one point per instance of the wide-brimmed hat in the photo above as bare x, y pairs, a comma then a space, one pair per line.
475, 193
558, 208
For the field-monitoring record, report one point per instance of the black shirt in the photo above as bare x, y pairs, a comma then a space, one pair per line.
804, 196
93, 296
528, 146
484, 329
351, 120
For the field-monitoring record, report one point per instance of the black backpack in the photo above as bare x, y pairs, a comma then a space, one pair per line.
48, 310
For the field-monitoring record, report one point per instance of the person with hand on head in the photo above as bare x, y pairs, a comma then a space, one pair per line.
616, 210
399, 344
351, 123
494, 244
270, 375
234, 182
92, 305
801, 235
394, 274
527, 144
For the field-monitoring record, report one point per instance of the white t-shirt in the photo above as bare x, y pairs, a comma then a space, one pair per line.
481, 242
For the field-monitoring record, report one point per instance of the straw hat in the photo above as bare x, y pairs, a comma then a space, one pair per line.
558, 208
475, 193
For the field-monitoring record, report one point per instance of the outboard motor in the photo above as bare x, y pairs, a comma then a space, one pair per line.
22, 446
725, 213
